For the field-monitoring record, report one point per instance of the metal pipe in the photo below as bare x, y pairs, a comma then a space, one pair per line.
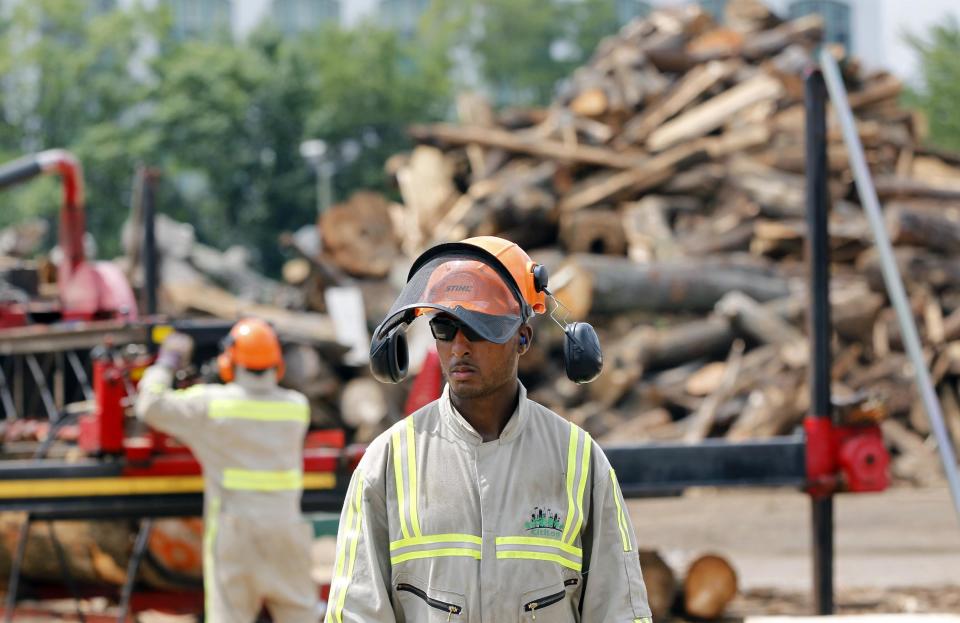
150, 279
818, 319
891, 273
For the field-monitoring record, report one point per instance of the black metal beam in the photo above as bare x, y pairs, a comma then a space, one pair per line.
649, 469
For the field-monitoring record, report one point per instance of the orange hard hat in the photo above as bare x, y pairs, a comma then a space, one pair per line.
519, 264
252, 344
473, 285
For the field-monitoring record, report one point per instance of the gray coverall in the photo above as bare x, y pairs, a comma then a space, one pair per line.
248, 436
439, 526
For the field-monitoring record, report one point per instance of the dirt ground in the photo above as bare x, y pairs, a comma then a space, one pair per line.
897, 551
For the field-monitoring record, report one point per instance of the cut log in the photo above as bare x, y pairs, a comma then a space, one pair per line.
552, 150
923, 228
714, 112
709, 586
700, 422
426, 184
617, 285
359, 237
647, 230
593, 231
661, 584
807, 29
362, 402
693, 84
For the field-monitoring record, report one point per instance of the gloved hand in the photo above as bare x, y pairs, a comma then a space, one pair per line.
176, 350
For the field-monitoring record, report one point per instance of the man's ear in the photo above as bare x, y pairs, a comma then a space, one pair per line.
526, 338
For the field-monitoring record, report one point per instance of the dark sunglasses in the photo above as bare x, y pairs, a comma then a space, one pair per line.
445, 329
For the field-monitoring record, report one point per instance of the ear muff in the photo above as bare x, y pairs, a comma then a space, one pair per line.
389, 357
582, 356
225, 366
540, 277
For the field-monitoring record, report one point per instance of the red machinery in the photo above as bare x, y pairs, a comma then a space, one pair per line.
87, 290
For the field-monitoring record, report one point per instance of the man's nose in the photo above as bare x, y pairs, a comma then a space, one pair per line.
461, 345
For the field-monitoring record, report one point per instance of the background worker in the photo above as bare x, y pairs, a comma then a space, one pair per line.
248, 436
483, 505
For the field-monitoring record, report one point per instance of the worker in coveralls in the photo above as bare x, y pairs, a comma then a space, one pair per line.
248, 436
483, 505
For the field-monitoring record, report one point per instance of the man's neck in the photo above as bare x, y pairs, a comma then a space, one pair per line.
489, 414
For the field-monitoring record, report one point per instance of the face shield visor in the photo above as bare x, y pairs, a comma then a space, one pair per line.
475, 292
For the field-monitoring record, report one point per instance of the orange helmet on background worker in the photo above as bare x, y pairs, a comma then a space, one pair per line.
251, 344
490, 286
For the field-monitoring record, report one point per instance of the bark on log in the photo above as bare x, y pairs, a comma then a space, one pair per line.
359, 237
907, 226
617, 285
661, 583
593, 231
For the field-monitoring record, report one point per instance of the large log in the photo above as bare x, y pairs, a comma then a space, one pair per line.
710, 584
359, 236
923, 228
618, 284
661, 583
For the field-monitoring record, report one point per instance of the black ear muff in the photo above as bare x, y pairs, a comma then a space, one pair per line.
540, 277
582, 356
389, 357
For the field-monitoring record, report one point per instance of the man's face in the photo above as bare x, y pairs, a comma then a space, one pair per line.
478, 368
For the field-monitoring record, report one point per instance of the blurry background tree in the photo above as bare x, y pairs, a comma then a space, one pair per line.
222, 119
939, 90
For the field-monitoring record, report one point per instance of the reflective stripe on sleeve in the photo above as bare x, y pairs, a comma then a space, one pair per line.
259, 410
403, 444
621, 519
262, 480
346, 555
578, 471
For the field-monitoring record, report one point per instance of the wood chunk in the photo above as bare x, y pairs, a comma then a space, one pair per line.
714, 112
593, 231
661, 583
709, 586
908, 226
359, 237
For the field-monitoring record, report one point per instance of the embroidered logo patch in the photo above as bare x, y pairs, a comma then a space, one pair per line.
544, 522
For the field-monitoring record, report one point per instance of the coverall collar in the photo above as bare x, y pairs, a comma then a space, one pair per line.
462, 428
256, 383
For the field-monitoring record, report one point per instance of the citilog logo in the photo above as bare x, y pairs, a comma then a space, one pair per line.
544, 522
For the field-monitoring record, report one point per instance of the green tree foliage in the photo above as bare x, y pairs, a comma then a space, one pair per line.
524, 47
222, 120
940, 89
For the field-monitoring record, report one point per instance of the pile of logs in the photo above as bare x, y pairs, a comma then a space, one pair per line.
664, 189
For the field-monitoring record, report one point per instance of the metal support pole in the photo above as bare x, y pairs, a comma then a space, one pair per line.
818, 256
13, 583
65, 571
891, 273
150, 279
139, 549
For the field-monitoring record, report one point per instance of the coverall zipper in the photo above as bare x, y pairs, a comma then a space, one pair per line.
450, 609
542, 602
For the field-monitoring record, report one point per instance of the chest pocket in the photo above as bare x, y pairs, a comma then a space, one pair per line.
550, 604
418, 603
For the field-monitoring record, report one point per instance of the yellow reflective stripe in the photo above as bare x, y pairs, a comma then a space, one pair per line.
262, 480
259, 410
436, 553
584, 466
209, 536
398, 473
560, 560
643, 620
539, 541
335, 586
436, 538
571, 469
355, 536
412, 476
621, 520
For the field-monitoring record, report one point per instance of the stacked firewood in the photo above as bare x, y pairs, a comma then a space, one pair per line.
664, 189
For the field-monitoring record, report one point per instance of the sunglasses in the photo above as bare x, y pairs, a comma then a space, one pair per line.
445, 329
